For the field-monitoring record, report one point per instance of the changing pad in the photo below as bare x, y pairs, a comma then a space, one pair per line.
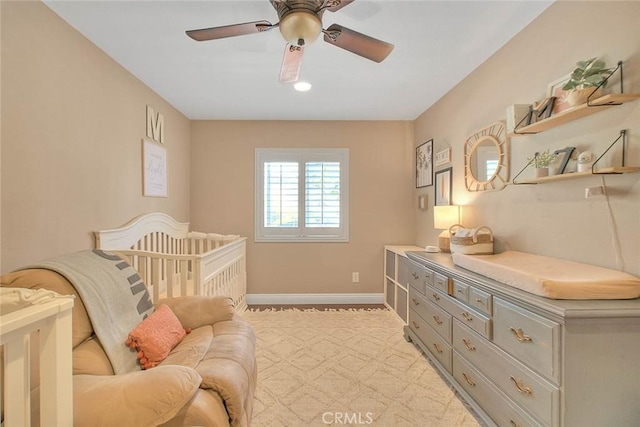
552, 277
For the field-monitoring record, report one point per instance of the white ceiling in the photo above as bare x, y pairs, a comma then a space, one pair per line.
437, 44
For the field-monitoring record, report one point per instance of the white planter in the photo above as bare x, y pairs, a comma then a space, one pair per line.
584, 167
540, 172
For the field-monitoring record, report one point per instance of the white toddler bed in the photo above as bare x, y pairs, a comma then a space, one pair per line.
172, 261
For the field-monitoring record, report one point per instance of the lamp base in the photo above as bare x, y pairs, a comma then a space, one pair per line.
444, 241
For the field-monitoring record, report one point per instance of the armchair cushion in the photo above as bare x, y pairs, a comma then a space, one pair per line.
139, 398
196, 311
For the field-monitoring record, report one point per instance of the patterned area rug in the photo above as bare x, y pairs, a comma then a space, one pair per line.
346, 367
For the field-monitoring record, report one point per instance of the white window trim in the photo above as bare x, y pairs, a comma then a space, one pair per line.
268, 234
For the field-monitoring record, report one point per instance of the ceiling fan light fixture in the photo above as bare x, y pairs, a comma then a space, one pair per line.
302, 86
300, 28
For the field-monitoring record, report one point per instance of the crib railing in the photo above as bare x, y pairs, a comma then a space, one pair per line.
50, 324
213, 264
173, 261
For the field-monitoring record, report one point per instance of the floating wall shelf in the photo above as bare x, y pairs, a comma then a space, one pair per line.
574, 113
565, 176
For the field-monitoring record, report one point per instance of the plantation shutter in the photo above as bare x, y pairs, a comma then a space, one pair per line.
322, 194
302, 195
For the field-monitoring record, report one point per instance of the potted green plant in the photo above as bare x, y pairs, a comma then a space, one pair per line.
541, 162
589, 77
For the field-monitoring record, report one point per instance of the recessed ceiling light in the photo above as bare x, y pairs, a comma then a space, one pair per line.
302, 86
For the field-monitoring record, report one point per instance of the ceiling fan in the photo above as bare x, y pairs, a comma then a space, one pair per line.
300, 22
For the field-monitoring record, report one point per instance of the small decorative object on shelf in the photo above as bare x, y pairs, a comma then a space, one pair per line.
585, 160
587, 81
541, 162
567, 155
541, 110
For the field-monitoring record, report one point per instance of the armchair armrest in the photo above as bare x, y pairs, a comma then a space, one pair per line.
196, 311
140, 398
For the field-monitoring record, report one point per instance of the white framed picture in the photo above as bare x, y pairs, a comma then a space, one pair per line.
443, 157
154, 169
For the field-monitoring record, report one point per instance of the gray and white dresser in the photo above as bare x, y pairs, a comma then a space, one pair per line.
524, 360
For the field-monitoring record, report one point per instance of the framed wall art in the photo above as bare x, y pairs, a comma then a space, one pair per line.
443, 157
154, 169
443, 187
555, 89
424, 164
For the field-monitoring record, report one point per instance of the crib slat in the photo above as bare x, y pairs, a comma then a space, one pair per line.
170, 278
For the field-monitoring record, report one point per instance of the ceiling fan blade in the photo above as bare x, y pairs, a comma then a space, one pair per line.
230, 30
334, 5
358, 43
291, 63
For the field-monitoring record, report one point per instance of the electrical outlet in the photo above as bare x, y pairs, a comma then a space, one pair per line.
593, 191
355, 277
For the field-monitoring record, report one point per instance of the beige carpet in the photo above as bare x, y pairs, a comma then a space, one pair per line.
346, 367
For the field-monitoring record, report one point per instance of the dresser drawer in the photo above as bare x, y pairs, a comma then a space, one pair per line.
441, 282
528, 337
533, 393
435, 316
499, 407
460, 291
437, 297
480, 300
477, 321
419, 277
433, 342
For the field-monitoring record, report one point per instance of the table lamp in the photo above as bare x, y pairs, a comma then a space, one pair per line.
443, 218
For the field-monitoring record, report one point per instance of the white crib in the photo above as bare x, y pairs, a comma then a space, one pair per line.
46, 327
172, 261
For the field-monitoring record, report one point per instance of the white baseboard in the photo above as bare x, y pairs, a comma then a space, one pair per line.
285, 299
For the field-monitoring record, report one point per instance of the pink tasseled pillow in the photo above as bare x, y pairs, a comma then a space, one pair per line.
156, 336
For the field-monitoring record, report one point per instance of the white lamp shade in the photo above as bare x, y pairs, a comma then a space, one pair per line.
445, 216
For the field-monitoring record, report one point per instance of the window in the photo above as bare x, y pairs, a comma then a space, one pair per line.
302, 195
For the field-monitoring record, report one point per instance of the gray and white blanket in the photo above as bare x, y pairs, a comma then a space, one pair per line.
114, 295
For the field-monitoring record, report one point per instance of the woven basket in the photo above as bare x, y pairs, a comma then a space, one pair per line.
477, 241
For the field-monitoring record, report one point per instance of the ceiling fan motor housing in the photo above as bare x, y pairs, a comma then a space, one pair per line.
300, 21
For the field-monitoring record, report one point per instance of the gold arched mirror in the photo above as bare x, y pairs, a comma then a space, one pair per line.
486, 159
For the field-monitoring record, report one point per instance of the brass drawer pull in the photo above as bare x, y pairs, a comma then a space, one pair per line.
437, 347
479, 301
467, 316
514, 424
415, 276
468, 344
415, 301
521, 387
437, 319
519, 334
436, 296
460, 291
415, 325
468, 380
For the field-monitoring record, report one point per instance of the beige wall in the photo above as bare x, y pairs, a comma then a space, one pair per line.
72, 124
551, 219
72, 121
381, 199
